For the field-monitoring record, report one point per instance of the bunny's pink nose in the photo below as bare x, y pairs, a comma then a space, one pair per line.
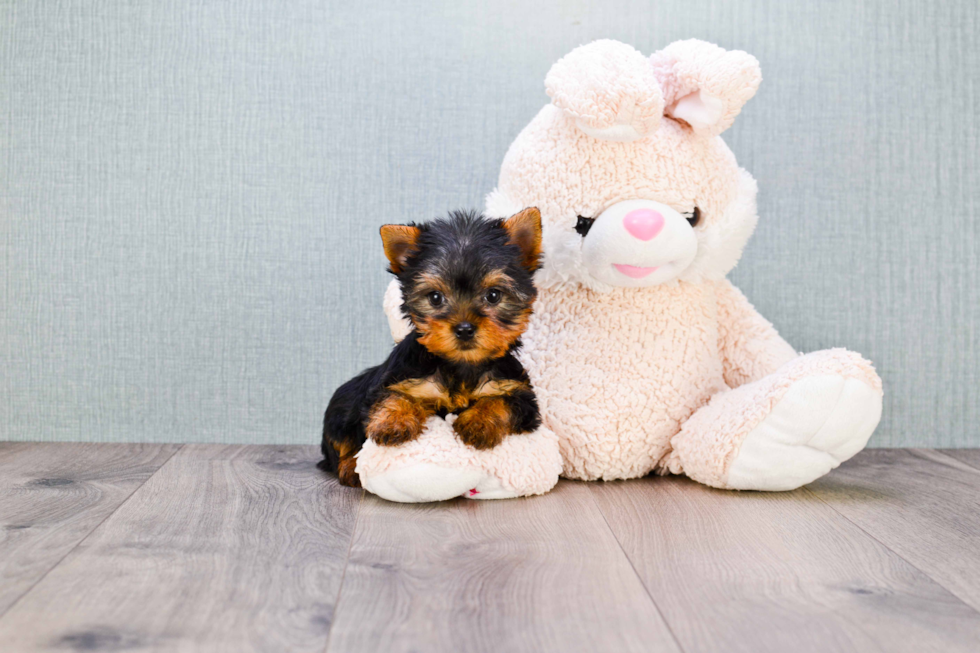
643, 223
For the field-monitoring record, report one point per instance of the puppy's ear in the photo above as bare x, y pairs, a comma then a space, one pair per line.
400, 243
524, 230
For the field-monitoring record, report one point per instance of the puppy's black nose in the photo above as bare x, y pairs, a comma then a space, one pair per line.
464, 330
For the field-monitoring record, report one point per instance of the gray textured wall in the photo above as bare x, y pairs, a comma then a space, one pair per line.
190, 192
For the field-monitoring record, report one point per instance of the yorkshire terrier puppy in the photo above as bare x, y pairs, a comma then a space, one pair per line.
467, 289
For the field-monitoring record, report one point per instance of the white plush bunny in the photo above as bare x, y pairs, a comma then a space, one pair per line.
643, 355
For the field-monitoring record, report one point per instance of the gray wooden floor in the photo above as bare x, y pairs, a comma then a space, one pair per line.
248, 548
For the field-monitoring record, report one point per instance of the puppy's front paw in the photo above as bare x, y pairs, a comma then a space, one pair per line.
485, 424
393, 435
395, 420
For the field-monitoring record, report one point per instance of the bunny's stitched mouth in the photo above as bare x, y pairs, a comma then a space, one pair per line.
633, 271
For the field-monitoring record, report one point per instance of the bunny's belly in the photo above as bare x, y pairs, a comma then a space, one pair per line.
617, 373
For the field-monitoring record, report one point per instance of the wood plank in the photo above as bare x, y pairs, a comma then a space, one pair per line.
777, 572
10, 448
969, 456
52, 495
536, 574
922, 504
227, 548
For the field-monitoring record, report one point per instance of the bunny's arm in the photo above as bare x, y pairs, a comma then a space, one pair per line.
750, 346
399, 324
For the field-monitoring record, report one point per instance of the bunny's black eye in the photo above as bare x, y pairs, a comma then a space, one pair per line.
583, 225
693, 217
436, 298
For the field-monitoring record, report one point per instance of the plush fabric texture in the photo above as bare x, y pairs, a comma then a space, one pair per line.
521, 465
682, 376
609, 85
693, 66
711, 439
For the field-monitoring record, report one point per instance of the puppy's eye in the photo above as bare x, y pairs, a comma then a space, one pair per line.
693, 217
436, 298
583, 225
493, 296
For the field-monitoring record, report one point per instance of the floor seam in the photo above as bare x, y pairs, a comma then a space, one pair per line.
89, 534
343, 574
896, 553
953, 459
965, 462
639, 578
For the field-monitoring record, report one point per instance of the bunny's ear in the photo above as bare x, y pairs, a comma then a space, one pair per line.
609, 89
705, 85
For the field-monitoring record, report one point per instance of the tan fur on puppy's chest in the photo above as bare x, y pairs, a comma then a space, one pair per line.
433, 392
